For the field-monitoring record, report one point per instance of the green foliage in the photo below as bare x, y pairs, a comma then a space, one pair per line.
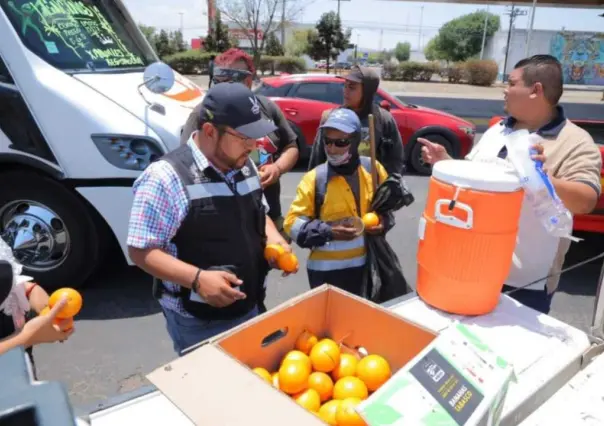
297, 45
218, 39
273, 46
163, 43
461, 38
189, 62
329, 39
432, 50
402, 51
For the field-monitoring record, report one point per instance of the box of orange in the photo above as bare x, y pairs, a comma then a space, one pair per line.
329, 349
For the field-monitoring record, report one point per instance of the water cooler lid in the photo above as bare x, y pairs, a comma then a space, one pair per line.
497, 176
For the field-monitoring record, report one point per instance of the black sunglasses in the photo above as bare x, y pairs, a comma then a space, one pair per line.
340, 143
223, 75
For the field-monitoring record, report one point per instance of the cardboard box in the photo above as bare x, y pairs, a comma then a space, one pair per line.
214, 386
455, 381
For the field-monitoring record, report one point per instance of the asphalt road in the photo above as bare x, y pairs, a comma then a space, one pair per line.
479, 111
121, 336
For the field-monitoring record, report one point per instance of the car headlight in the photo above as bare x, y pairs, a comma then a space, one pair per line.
128, 152
470, 131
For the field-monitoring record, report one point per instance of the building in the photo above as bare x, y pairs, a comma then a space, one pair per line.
581, 54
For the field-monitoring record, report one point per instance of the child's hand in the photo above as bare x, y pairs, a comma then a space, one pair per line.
42, 329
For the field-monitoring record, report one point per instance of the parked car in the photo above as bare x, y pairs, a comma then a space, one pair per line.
304, 97
593, 222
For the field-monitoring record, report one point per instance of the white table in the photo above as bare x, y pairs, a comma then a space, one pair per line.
546, 353
578, 403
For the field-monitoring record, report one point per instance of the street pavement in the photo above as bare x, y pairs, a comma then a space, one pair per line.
120, 333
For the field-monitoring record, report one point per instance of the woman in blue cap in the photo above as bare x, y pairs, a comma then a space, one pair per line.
327, 199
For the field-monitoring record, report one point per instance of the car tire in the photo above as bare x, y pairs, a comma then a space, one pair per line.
63, 231
417, 163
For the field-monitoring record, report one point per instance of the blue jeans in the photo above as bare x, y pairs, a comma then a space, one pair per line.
186, 332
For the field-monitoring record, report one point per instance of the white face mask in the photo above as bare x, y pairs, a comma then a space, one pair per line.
338, 160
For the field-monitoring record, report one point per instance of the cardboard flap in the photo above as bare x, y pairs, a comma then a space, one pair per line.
211, 388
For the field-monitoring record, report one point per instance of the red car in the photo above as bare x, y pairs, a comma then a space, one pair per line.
304, 97
593, 222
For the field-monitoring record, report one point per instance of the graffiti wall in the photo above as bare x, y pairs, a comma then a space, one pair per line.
582, 57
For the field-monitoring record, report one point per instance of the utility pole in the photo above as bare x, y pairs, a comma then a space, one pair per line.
421, 24
513, 13
530, 30
283, 23
182, 27
484, 32
339, 7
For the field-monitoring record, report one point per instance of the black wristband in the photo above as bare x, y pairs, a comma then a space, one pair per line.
195, 283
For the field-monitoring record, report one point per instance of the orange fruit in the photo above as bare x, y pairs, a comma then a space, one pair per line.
297, 356
327, 412
374, 371
272, 252
275, 379
325, 355
322, 383
370, 220
44, 311
67, 323
306, 341
350, 387
346, 414
262, 372
309, 399
74, 303
346, 367
288, 262
293, 377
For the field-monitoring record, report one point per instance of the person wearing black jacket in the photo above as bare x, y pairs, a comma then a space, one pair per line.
277, 153
360, 87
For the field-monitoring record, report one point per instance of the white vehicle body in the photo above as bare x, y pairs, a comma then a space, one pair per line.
74, 113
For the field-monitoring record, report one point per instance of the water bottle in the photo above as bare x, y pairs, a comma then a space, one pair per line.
537, 185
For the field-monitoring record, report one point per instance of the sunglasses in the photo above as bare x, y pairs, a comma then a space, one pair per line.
340, 143
223, 75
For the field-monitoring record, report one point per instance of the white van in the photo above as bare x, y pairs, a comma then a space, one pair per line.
77, 126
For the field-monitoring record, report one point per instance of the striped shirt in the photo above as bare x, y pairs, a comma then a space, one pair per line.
159, 208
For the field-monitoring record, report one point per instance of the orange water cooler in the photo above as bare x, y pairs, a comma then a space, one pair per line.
467, 235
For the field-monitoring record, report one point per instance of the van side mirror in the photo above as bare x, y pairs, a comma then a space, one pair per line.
158, 77
385, 104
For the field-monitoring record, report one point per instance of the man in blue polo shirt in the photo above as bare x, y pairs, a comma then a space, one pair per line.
199, 223
568, 153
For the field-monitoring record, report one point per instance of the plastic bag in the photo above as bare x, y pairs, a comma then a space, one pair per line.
539, 190
16, 304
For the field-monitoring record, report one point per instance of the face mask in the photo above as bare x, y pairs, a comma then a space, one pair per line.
338, 160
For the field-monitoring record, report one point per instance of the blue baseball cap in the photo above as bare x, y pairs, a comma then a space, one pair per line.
344, 120
235, 105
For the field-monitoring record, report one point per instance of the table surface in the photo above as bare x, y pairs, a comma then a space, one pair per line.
541, 348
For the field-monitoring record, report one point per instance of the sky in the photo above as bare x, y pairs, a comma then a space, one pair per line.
400, 21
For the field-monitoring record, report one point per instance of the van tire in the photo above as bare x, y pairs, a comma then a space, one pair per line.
74, 264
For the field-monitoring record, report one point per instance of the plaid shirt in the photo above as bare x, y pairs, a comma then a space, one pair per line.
159, 208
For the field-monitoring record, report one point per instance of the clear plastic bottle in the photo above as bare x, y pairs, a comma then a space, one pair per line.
539, 189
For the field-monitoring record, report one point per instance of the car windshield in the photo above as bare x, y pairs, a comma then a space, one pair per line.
80, 35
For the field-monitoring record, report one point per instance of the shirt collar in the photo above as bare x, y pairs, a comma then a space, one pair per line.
202, 162
553, 128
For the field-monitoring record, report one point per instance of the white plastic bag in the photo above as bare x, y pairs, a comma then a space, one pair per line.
16, 304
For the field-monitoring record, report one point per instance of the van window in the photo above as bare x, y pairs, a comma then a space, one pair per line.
5, 76
79, 35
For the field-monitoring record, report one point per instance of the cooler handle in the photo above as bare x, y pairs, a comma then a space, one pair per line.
452, 220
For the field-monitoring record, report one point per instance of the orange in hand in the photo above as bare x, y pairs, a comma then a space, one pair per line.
370, 220
288, 262
65, 324
74, 302
44, 311
306, 341
272, 252
374, 371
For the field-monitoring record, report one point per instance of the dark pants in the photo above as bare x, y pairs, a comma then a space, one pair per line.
279, 224
350, 280
539, 300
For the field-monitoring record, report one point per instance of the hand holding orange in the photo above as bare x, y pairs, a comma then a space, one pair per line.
74, 302
279, 257
370, 220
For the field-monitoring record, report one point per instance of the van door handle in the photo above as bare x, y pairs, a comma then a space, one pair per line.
291, 111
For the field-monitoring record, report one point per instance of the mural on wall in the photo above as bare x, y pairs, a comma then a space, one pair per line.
581, 55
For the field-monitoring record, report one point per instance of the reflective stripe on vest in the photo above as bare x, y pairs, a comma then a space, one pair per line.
333, 265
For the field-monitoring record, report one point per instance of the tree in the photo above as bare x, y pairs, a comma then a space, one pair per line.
256, 18
177, 43
432, 50
461, 38
218, 39
273, 46
297, 44
328, 40
402, 51
162, 45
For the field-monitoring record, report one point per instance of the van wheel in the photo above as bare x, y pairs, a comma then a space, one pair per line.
48, 228
417, 163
